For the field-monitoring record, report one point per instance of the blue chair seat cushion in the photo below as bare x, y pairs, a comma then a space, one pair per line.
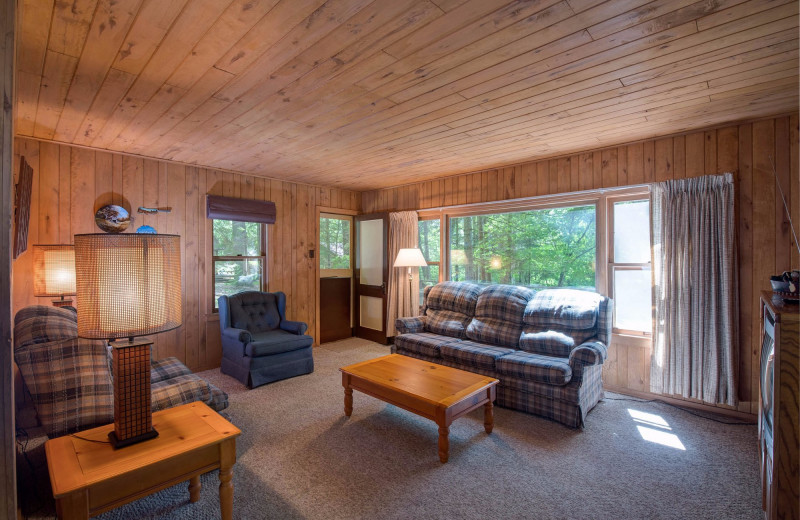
276, 342
535, 367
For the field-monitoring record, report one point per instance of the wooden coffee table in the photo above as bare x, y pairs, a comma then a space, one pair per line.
439, 393
88, 476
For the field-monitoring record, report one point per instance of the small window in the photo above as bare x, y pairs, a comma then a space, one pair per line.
335, 252
629, 261
429, 244
239, 257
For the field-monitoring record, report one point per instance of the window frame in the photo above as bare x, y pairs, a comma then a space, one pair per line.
345, 272
229, 258
625, 266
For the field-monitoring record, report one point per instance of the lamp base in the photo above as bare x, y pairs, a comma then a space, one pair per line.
62, 302
116, 443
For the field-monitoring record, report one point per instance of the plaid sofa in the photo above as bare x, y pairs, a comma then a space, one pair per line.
69, 378
546, 348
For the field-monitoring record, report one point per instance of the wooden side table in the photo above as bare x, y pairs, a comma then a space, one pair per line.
89, 477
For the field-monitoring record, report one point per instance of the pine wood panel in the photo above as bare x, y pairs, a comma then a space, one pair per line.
71, 183
8, 479
765, 245
362, 95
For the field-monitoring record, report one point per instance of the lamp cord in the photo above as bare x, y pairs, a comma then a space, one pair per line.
783, 199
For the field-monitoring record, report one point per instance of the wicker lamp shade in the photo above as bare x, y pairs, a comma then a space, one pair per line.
53, 270
128, 284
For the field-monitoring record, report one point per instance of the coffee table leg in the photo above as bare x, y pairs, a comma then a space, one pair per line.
348, 395
444, 443
488, 417
194, 488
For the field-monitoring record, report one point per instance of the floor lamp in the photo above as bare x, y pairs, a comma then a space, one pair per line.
410, 257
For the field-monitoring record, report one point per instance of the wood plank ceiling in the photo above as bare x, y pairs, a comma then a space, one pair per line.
367, 94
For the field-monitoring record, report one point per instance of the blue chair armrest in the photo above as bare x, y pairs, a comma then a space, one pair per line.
295, 327
413, 325
240, 335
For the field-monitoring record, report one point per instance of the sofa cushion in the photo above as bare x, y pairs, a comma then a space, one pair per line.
32, 328
453, 296
167, 368
447, 323
548, 342
275, 342
475, 355
494, 331
423, 343
498, 315
563, 308
535, 367
254, 311
69, 382
179, 390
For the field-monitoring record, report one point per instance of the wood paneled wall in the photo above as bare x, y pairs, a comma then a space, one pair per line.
748, 150
70, 183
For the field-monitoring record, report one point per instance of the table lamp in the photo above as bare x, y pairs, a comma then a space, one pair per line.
54, 272
410, 257
129, 286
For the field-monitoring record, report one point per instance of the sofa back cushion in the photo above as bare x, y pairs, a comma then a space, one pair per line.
449, 307
499, 315
254, 311
69, 382
557, 320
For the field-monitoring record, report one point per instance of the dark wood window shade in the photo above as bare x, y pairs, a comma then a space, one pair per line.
241, 210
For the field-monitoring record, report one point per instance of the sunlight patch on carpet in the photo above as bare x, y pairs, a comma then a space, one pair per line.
653, 428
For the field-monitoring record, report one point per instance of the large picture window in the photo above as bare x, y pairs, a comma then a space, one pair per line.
239, 257
540, 248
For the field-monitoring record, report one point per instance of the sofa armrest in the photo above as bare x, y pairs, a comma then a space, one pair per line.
295, 327
588, 353
413, 325
241, 335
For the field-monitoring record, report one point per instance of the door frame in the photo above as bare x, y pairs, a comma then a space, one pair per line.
334, 211
362, 332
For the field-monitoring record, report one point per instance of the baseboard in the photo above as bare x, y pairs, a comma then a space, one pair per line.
680, 403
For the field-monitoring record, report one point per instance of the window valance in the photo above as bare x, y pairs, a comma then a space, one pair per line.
242, 210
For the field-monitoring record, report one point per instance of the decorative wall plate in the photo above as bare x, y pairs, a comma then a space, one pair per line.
112, 218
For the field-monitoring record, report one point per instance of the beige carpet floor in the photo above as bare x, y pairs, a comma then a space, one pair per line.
299, 457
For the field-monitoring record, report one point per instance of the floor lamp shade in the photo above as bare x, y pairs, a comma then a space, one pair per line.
128, 284
54, 270
410, 257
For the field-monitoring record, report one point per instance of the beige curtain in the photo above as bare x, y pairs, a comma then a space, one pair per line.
403, 302
695, 292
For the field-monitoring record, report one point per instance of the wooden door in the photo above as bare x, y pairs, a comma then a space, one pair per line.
372, 276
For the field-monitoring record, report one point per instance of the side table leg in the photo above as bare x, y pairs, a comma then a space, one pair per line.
73, 507
348, 401
444, 443
488, 417
194, 489
227, 460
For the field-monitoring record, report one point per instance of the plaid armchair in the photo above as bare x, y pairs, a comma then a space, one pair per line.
69, 378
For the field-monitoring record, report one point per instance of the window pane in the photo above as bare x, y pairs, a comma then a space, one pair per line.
334, 243
632, 232
237, 238
233, 276
427, 276
429, 240
632, 300
552, 247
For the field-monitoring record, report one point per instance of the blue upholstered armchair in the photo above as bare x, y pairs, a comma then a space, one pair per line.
259, 345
